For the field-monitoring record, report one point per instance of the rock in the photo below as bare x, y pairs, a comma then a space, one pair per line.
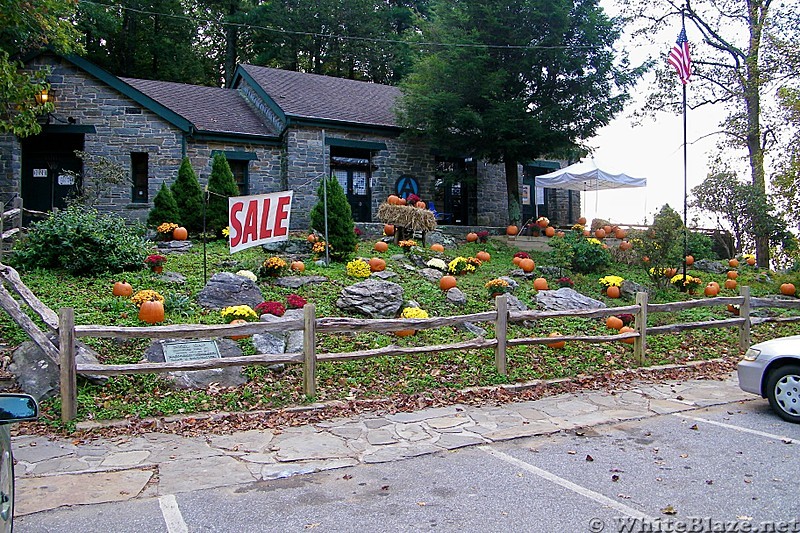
372, 297
172, 277
512, 283
629, 288
290, 246
269, 342
515, 304
549, 271
437, 237
226, 288
229, 376
456, 297
399, 257
38, 376
384, 274
709, 265
565, 299
295, 282
417, 259
519, 273
472, 328
431, 274
174, 247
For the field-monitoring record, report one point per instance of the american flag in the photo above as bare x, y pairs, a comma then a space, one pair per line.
679, 57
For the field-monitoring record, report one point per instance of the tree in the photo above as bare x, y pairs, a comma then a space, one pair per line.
164, 208
188, 197
662, 244
221, 186
341, 237
740, 60
514, 81
786, 182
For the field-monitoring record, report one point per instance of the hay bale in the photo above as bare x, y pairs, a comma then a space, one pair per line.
405, 216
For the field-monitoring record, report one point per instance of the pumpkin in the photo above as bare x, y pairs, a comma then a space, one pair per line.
298, 266
550, 231
582, 221
714, 284
180, 234
732, 274
600, 233
421, 205
512, 230
689, 260
558, 344
788, 289
447, 282
401, 201
751, 261
711, 290
627, 329
614, 322
613, 292
376, 264
393, 199
151, 312
122, 288
483, 256
587, 233
560, 234
542, 222
388, 229
625, 245
381, 246
733, 263
733, 309
436, 247
608, 229
311, 238
620, 233
527, 265
238, 337
516, 260
405, 332
540, 284
730, 284
472, 236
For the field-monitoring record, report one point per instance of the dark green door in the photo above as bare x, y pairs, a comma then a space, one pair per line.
50, 169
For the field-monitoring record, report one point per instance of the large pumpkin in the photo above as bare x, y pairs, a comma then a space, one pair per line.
516, 260
311, 238
540, 284
732, 274
483, 256
625, 245
151, 312
381, 246
614, 322
612, 291
558, 344
689, 260
620, 233
122, 288
788, 289
712, 289
669, 272
608, 229
421, 205
527, 265
238, 337
734, 263
298, 266
376, 264
730, 284
751, 261
436, 247
447, 282
627, 329
550, 231
582, 221
393, 199
512, 230
180, 234
600, 233
388, 229
472, 236
714, 284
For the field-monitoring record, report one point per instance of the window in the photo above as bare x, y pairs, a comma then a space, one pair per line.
139, 172
353, 169
240, 175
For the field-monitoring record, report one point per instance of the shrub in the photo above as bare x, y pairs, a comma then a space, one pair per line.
189, 197
164, 208
701, 246
82, 241
341, 238
580, 254
221, 186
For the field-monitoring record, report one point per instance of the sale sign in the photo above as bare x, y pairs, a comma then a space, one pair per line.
258, 219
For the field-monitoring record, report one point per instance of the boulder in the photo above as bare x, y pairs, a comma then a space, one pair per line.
709, 265
174, 247
372, 297
515, 304
437, 237
456, 297
549, 271
431, 274
472, 328
287, 247
565, 299
295, 282
172, 277
629, 288
226, 288
512, 283
384, 274
229, 376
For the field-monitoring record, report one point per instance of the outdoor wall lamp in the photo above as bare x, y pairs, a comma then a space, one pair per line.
43, 96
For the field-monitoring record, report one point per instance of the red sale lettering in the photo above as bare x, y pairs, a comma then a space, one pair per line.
281, 214
265, 233
236, 225
258, 219
250, 223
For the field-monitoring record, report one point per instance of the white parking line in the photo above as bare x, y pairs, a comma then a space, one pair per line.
172, 515
787, 440
569, 485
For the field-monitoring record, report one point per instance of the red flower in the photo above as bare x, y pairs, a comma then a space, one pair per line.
270, 308
296, 302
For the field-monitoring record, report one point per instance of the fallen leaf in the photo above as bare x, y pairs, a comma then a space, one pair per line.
615, 478
385, 487
589, 458
422, 504
347, 476
580, 433
658, 479
669, 509
623, 496
709, 482
694, 427
312, 526
684, 455
519, 474
571, 452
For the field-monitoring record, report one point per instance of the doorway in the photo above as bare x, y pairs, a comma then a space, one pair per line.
50, 169
352, 167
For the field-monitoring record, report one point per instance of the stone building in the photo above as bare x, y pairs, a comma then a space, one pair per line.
279, 130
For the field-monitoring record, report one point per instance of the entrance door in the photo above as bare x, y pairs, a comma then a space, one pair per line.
455, 191
48, 164
352, 168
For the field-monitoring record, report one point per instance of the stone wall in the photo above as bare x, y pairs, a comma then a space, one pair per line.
558, 206
492, 204
10, 169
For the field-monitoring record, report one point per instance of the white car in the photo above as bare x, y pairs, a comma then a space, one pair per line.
771, 369
13, 408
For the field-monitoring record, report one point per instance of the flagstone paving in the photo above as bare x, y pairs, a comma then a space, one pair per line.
157, 464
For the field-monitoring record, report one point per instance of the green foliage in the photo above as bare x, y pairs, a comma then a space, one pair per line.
189, 197
164, 208
221, 186
179, 304
82, 242
700, 246
103, 174
580, 254
341, 237
662, 243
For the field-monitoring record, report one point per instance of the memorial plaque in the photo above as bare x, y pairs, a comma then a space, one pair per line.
175, 352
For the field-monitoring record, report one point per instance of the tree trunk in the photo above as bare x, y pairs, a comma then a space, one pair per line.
512, 190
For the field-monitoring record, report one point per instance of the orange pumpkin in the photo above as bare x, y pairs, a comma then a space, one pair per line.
540, 284
483, 256
582, 221
558, 344
608, 229
376, 264
751, 261
472, 236
714, 284
436, 247
613, 292
711, 290
734, 263
151, 312
447, 282
788, 289
627, 329
311, 238
238, 337
689, 260
393, 199
527, 265
405, 332
587, 233
730, 284
542, 222
620, 233
733, 309
512, 230
732, 274
600, 233
388, 229
550, 231
381, 246
298, 266
420, 205
401, 201
180, 234
516, 260
560, 234
614, 322
669, 272
625, 245
122, 288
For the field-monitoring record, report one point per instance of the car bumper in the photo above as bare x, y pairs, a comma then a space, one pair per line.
750, 376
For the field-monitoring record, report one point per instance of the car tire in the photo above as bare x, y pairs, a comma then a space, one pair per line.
783, 392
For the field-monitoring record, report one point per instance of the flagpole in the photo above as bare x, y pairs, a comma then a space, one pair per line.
685, 171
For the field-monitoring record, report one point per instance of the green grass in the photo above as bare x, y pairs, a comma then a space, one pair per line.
151, 395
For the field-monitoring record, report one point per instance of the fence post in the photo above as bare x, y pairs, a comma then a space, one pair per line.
309, 351
67, 370
640, 325
500, 333
18, 204
744, 313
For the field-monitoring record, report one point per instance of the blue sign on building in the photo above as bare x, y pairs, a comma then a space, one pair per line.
406, 185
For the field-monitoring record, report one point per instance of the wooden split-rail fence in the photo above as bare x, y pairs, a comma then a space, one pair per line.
63, 354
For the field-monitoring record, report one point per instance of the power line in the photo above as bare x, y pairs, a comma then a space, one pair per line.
248, 26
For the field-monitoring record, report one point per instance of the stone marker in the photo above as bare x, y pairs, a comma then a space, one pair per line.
229, 376
372, 297
565, 299
226, 288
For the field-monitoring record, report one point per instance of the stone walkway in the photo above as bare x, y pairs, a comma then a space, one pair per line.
54, 473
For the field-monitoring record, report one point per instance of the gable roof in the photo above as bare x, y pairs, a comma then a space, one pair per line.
209, 109
315, 97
